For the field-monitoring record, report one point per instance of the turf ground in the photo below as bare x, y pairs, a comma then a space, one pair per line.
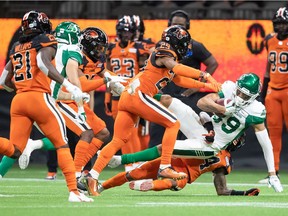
27, 193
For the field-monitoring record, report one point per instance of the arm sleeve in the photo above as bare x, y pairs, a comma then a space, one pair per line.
188, 82
265, 142
186, 71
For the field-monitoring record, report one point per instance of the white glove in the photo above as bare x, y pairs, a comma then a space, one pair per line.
74, 90
230, 107
85, 97
274, 182
81, 115
114, 79
117, 88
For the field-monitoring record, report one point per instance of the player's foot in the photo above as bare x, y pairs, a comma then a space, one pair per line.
73, 197
115, 161
265, 180
91, 185
24, 159
51, 176
252, 192
100, 188
169, 172
80, 186
141, 185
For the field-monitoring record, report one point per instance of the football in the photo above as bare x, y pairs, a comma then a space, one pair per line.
223, 101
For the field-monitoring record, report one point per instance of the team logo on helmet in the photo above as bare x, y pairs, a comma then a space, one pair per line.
43, 18
180, 33
281, 13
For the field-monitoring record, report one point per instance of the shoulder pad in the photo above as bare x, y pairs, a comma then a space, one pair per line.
227, 89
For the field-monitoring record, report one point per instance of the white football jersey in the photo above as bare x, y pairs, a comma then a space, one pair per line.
228, 128
63, 54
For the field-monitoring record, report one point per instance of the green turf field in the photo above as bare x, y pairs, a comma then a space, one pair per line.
27, 193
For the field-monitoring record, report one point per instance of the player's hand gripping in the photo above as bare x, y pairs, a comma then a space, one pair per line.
274, 182
74, 90
230, 107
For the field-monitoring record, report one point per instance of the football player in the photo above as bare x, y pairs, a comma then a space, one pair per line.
30, 66
275, 83
137, 101
125, 57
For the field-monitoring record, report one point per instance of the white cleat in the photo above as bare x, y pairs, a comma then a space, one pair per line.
115, 161
79, 198
24, 159
263, 181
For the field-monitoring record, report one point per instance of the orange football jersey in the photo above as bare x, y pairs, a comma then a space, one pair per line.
154, 78
197, 167
278, 57
27, 75
91, 69
124, 61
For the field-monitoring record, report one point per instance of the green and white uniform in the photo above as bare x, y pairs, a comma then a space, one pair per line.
226, 128
63, 54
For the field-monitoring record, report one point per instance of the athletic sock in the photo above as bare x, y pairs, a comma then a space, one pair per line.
65, 162
6, 164
47, 144
145, 155
6, 148
80, 154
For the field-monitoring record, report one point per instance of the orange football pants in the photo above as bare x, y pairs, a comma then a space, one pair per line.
276, 103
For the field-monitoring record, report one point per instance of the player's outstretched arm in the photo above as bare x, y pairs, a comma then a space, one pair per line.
220, 184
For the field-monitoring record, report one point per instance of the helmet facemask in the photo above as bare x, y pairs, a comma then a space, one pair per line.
247, 89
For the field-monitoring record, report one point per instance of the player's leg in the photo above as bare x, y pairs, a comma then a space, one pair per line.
122, 130
274, 126
151, 110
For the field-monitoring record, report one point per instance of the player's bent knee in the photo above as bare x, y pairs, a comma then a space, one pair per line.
103, 135
87, 135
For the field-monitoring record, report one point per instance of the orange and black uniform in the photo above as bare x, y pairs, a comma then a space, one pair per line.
34, 103
137, 101
194, 168
125, 62
276, 100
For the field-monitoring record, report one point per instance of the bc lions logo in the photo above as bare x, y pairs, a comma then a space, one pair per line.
91, 34
180, 33
43, 18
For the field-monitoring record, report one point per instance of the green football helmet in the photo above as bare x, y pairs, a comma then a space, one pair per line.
248, 87
68, 32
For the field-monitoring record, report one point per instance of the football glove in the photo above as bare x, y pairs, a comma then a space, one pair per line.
74, 90
230, 108
210, 136
114, 79
274, 182
117, 88
85, 97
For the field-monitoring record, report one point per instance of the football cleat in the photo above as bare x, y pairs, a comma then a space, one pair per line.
24, 159
141, 185
73, 197
51, 176
169, 172
91, 185
252, 192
